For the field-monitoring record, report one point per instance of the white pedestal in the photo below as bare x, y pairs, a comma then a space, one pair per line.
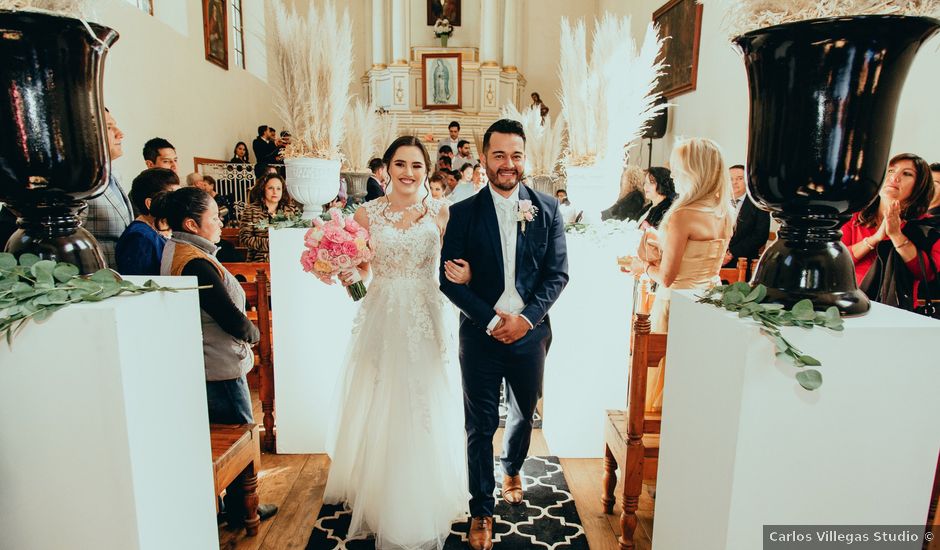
743, 445
104, 435
587, 364
312, 323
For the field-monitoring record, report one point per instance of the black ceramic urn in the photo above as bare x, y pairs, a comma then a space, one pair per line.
823, 99
53, 138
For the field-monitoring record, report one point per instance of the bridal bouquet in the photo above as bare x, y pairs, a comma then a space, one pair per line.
336, 246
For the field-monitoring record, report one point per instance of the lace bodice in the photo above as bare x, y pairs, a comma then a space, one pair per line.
404, 248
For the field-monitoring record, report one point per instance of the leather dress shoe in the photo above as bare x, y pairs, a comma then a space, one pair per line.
236, 518
480, 536
512, 489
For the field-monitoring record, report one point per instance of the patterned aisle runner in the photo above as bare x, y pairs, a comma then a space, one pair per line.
547, 519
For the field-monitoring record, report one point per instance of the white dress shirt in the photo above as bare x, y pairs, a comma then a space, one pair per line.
506, 211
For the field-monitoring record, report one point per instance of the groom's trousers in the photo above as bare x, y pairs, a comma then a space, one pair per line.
484, 363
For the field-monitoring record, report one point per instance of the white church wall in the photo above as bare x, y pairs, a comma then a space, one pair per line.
466, 35
158, 83
718, 108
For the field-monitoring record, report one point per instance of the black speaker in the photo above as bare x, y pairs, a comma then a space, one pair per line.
657, 126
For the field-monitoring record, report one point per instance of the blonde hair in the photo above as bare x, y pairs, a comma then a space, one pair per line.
630, 179
700, 175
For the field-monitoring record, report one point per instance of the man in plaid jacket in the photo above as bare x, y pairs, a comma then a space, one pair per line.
110, 213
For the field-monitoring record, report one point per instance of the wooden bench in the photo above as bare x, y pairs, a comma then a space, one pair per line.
236, 451
230, 235
631, 436
256, 294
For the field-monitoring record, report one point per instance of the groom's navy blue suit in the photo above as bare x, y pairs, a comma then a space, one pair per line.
541, 274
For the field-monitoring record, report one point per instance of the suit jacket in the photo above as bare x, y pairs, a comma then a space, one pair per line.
750, 232
541, 257
373, 189
265, 154
107, 217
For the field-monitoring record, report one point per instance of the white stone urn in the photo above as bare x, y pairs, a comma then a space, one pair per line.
312, 182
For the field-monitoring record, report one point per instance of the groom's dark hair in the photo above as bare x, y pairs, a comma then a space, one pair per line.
502, 126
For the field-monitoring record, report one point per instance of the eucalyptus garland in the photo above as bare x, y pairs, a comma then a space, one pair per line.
33, 289
282, 221
746, 301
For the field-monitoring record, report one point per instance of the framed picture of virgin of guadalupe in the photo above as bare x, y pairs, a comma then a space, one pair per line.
441, 74
680, 23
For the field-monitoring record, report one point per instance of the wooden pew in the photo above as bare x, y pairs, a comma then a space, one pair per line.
235, 451
632, 436
256, 293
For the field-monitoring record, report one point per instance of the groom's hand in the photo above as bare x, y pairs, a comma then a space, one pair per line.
511, 327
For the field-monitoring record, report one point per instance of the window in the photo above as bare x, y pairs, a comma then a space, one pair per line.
143, 5
238, 33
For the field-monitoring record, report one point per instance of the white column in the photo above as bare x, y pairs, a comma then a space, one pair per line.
489, 33
378, 34
400, 32
511, 32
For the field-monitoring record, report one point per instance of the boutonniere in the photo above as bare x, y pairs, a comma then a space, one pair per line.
526, 212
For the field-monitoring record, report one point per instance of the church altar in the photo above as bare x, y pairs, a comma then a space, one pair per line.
104, 435
743, 445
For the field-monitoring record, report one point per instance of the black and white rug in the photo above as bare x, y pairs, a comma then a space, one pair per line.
547, 519
504, 410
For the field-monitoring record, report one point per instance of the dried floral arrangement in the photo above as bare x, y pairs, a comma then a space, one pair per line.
609, 99
69, 8
361, 140
312, 67
747, 15
544, 139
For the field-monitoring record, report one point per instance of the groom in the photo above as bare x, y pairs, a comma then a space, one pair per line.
519, 269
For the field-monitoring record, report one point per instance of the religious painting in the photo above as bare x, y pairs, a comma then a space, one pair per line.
441, 74
680, 23
215, 31
446, 9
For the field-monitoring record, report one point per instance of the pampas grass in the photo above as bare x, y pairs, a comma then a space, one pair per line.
609, 99
747, 15
70, 8
360, 142
543, 139
388, 132
312, 68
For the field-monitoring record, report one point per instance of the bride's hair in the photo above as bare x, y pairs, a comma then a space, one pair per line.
411, 141
700, 176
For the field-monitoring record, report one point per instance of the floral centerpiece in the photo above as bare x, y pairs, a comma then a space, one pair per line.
337, 246
312, 70
443, 29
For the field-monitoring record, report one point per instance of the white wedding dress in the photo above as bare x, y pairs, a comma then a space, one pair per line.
397, 441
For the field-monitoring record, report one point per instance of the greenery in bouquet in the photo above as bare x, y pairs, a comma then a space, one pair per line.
32, 289
748, 302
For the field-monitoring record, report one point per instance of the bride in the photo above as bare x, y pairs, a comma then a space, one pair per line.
397, 445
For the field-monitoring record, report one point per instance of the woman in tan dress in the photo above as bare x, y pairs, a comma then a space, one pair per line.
688, 249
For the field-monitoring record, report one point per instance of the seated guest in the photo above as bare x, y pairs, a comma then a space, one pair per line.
660, 191
464, 188
632, 200
891, 239
268, 198
375, 187
752, 226
568, 211
207, 184
687, 250
227, 334
241, 154
934, 209
109, 214
444, 161
436, 186
160, 153
140, 247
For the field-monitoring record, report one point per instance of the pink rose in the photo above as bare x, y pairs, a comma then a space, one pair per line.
352, 226
307, 259
323, 254
343, 261
528, 216
525, 205
333, 234
350, 249
336, 216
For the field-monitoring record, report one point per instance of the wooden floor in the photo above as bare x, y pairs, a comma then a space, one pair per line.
295, 483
